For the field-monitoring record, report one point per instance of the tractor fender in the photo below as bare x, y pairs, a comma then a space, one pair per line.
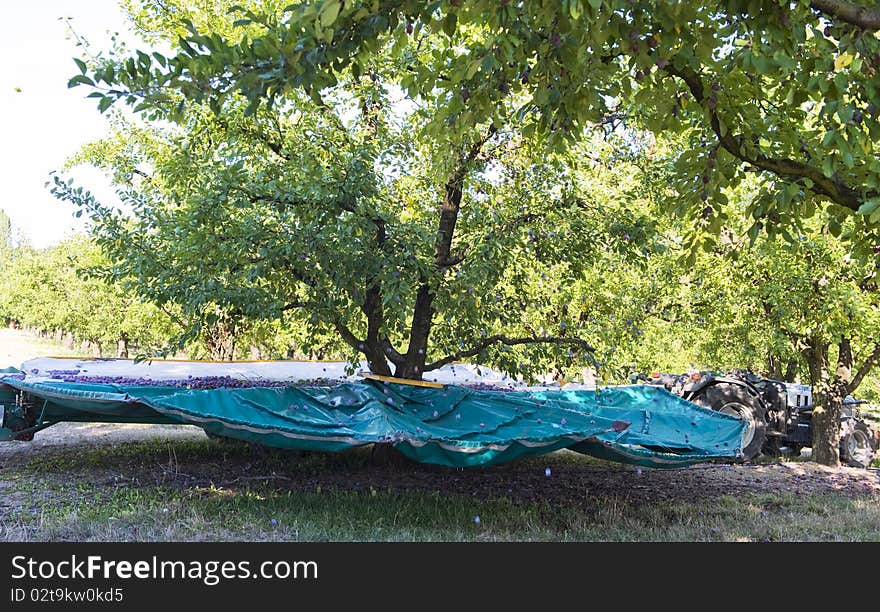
709, 381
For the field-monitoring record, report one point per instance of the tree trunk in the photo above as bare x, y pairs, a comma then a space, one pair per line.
791, 371
122, 347
376, 360
220, 341
385, 455
776, 371
411, 371
423, 313
774, 367
826, 406
413, 363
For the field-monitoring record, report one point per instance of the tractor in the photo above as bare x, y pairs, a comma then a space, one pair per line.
779, 414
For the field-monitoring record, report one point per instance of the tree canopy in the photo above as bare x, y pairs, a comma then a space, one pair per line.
785, 89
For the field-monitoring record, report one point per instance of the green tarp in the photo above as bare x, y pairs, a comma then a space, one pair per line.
452, 426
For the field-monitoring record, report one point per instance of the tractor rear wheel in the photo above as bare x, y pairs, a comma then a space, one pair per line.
737, 401
857, 445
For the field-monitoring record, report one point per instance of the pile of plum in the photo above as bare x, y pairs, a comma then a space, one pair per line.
190, 382
214, 382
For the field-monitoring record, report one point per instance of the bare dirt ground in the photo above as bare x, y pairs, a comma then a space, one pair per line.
571, 475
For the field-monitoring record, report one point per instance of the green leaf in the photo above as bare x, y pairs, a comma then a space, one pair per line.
834, 227
81, 64
105, 103
829, 138
843, 60
870, 206
329, 12
472, 69
79, 79
828, 167
449, 24
753, 233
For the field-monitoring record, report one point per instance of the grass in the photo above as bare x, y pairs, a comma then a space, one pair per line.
200, 490
157, 513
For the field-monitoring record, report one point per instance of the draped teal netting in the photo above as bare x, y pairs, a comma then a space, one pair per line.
453, 426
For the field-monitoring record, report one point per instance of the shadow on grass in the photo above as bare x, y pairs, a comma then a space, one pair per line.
224, 490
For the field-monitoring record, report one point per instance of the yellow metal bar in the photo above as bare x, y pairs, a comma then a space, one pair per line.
405, 381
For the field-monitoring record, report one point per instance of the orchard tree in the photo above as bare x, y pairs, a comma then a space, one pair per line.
416, 243
807, 307
827, 304
629, 301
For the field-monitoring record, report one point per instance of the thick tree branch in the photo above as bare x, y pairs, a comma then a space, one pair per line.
423, 310
452, 202
864, 369
373, 310
844, 354
376, 346
347, 334
391, 353
843, 375
833, 188
500, 339
791, 370
454, 260
867, 18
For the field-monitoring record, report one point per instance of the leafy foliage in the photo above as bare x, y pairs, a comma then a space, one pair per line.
350, 212
788, 90
60, 290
